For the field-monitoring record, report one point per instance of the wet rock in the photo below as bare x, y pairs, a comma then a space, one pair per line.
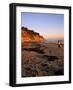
44, 67
51, 58
59, 72
34, 49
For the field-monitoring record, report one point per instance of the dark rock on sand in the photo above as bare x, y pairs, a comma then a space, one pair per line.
34, 49
51, 58
59, 72
44, 67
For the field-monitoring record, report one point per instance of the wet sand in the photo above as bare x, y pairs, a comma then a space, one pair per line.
42, 59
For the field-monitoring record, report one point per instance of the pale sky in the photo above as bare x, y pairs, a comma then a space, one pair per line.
48, 25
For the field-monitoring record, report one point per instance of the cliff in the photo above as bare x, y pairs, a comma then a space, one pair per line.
30, 36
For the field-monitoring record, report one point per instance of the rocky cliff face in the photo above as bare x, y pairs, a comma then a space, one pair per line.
30, 36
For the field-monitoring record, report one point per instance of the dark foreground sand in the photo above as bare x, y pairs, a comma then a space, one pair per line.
42, 59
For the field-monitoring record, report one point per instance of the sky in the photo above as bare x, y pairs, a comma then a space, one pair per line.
47, 24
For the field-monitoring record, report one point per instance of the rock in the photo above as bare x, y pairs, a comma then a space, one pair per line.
51, 58
30, 35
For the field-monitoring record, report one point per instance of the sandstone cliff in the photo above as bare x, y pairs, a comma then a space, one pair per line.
30, 36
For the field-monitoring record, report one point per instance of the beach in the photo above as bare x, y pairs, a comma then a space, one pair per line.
42, 59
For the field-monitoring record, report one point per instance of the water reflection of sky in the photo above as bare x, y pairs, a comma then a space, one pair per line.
49, 25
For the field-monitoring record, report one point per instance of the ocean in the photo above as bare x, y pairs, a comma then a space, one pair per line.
53, 40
